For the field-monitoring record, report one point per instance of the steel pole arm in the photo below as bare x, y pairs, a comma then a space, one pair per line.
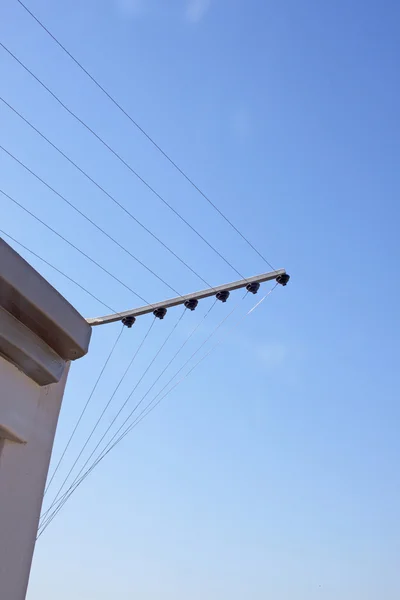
228, 287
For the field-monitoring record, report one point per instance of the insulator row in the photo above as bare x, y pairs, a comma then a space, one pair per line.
222, 296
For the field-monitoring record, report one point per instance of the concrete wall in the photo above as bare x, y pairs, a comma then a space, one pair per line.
40, 332
28, 420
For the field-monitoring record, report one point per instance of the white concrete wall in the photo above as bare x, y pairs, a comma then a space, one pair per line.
28, 413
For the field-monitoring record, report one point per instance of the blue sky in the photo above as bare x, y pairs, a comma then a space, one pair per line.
273, 470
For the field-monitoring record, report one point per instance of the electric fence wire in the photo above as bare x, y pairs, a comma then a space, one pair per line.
46, 262
149, 138
69, 492
119, 412
140, 346
102, 189
84, 409
152, 405
122, 160
143, 414
170, 362
88, 219
92, 260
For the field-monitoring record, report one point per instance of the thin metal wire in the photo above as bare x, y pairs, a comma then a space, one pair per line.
124, 404
82, 214
46, 262
84, 409
122, 160
140, 417
138, 404
150, 139
112, 198
194, 353
101, 416
179, 351
173, 358
221, 340
163, 371
73, 246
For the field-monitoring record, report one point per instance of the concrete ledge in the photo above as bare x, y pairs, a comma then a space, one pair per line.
28, 352
28, 297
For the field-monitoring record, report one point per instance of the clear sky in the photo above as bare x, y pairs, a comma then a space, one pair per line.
273, 471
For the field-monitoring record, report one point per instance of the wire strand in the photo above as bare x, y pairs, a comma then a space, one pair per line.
82, 214
220, 341
102, 189
46, 262
140, 417
126, 401
92, 260
101, 416
175, 375
184, 344
144, 132
122, 160
84, 410
179, 350
170, 362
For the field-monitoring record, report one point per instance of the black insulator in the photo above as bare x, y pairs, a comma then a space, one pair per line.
253, 287
128, 321
191, 304
283, 279
160, 312
223, 296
